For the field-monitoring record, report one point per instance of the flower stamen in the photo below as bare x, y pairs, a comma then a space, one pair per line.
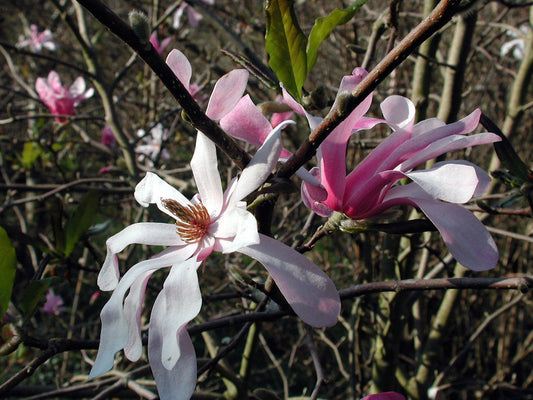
192, 220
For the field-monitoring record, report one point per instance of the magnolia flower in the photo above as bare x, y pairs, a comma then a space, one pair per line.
53, 304
152, 146
159, 47
38, 40
60, 99
517, 45
369, 190
384, 396
108, 137
212, 220
193, 15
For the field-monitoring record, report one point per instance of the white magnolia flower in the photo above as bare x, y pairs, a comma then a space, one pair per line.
213, 220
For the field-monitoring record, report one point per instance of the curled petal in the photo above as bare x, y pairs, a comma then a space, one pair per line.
148, 233
227, 92
152, 189
399, 111
180, 65
114, 335
309, 291
177, 383
183, 302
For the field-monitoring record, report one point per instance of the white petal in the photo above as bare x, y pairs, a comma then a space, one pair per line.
204, 166
237, 227
308, 290
453, 181
179, 382
114, 334
399, 111
132, 313
183, 303
261, 165
148, 233
152, 189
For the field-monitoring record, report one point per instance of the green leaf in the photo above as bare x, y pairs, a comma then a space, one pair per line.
32, 294
82, 218
30, 153
285, 45
8, 264
324, 26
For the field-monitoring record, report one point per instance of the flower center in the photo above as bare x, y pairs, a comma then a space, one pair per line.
192, 221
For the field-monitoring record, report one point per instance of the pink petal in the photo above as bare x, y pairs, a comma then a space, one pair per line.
246, 122
308, 290
205, 170
466, 237
236, 228
226, 94
313, 196
180, 65
179, 382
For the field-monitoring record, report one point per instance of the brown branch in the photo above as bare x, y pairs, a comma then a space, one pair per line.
443, 13
146, 51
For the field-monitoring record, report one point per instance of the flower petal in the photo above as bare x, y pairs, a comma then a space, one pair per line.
226, 94
399, 111
452, 181
179, 382
132, 313
466, 237
246, 122
114, 335
180, 65
261, 165
205, 170
308, 290
148, 233
183, 302
152, 189
236, 228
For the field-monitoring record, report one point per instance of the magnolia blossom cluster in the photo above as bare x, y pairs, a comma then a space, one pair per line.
38, 40
60, 99
217, 220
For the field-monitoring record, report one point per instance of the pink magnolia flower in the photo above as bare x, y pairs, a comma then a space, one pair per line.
193, 15
159, 47
384, 396
39, 40
60, 99
213, 220
108, 137
246, 122
369, 190
53, 304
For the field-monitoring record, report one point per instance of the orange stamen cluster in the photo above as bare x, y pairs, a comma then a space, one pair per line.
192, 221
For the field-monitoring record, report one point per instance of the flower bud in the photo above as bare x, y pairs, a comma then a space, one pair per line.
140, 25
